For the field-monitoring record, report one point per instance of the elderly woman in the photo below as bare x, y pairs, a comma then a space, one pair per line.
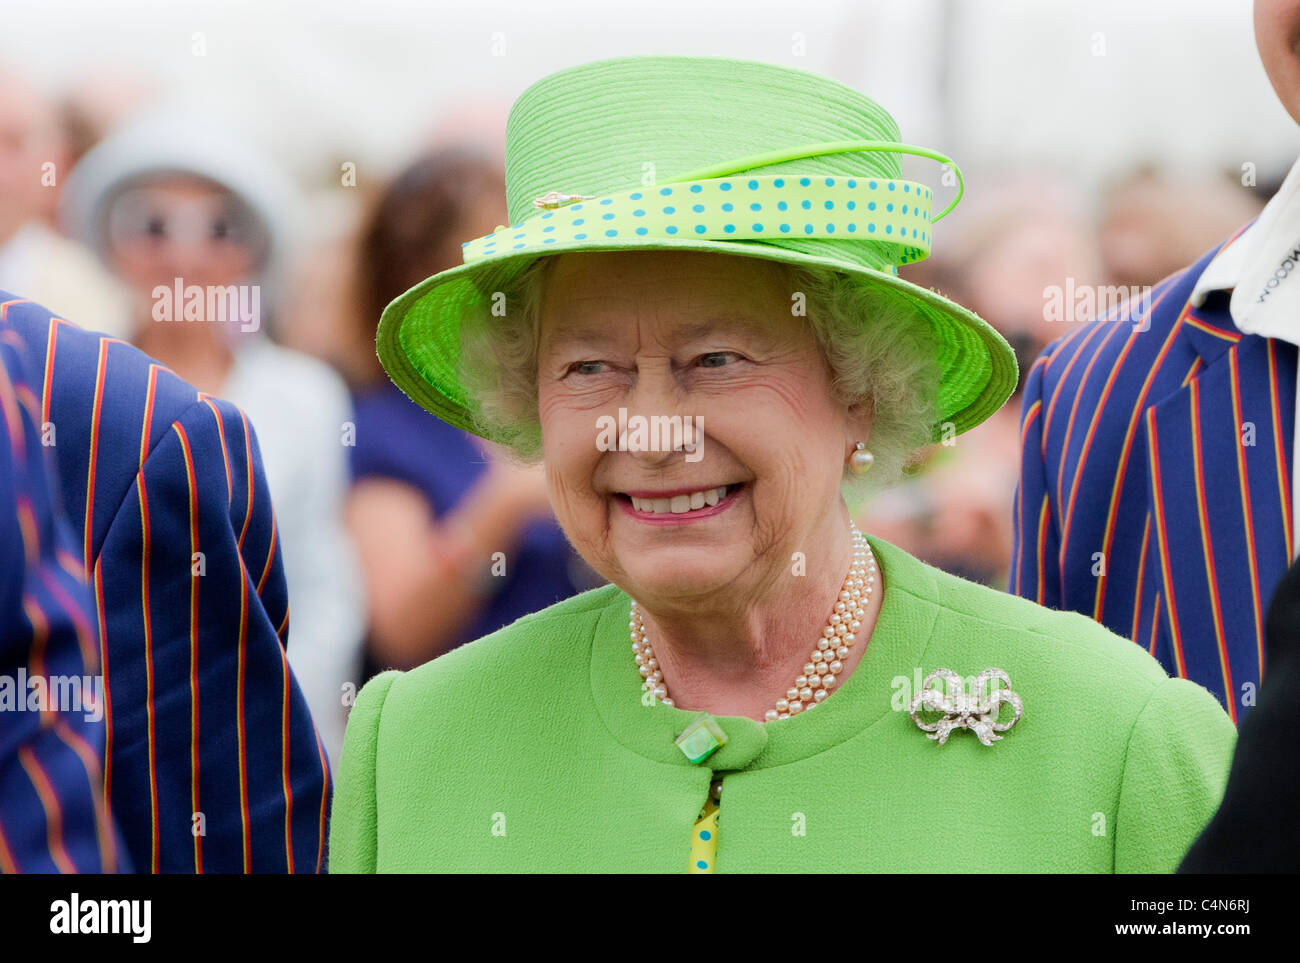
714, 241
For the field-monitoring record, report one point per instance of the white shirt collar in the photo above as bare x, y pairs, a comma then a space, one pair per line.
1261, 267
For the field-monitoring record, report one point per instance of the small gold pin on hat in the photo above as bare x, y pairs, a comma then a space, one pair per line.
550, 201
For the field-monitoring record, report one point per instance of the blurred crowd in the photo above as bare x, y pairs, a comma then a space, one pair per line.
379, 505
1038, 259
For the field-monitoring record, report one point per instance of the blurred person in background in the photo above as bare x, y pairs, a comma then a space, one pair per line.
197, 224
1149, 230
1157, 489
35, 259
319, 315
1025, 238
431, 505
98, 103
1021, 246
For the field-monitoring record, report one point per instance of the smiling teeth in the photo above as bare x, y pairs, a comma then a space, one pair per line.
679, 503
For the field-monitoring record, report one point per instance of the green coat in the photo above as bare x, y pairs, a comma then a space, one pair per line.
530, 751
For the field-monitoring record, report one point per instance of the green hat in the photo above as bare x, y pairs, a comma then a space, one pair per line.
699, 154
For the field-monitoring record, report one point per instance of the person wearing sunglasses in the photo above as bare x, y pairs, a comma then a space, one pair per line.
213, 731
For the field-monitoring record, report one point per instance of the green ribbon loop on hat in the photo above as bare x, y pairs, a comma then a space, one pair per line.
758, 161
745, 207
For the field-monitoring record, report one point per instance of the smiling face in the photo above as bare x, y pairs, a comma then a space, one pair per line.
710, 338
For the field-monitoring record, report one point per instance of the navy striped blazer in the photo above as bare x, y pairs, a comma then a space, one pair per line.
1154, 491
211, 758
53, 817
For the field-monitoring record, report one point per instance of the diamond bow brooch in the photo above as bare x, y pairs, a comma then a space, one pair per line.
977, 711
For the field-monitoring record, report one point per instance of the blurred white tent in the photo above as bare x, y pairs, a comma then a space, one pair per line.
1089, 87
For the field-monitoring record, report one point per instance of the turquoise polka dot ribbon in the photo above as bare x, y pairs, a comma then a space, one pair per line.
733, 208
709, 205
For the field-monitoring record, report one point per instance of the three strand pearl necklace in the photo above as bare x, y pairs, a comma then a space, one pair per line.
821, 672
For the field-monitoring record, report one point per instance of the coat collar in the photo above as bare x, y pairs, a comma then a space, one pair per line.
1209, 328
898, 642
1204, 314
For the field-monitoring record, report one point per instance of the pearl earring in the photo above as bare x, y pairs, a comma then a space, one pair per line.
861, 459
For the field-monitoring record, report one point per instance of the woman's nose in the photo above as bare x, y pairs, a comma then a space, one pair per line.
656, 391
660, 423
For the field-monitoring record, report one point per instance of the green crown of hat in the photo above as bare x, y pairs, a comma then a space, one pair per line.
699, 154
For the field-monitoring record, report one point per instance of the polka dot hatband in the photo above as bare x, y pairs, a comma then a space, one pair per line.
732, 208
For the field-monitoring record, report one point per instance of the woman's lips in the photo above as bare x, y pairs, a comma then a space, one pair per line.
722, 503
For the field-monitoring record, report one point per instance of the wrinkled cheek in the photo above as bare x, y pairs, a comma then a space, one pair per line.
783, 493
547, 408
581, 512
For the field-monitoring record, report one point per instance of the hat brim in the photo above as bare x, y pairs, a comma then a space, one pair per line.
419, 332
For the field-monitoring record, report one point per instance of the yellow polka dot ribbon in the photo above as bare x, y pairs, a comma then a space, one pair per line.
704, 837
746, 207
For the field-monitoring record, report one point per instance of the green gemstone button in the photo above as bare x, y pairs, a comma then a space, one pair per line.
702, 738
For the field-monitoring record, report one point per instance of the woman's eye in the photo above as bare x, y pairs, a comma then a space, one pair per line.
586, 367
717, 359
